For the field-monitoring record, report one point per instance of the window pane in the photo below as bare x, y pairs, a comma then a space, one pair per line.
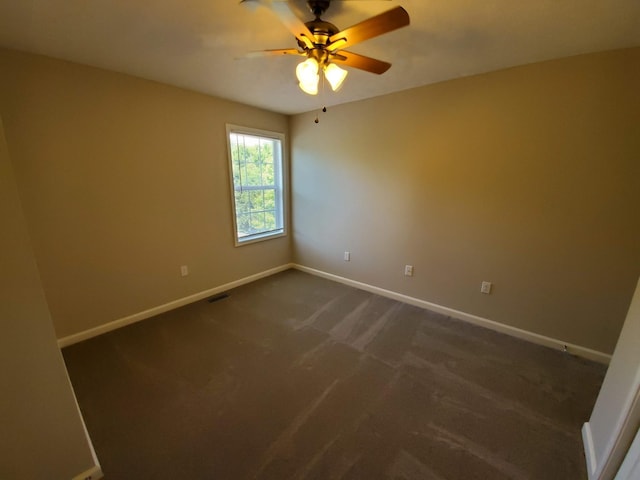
244, 224
256, 175
257, 222
242, 202
270, 220
269, 199
255, 200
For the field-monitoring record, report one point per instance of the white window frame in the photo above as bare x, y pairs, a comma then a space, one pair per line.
280, 182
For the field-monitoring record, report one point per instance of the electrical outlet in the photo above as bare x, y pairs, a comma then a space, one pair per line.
347, 256
485, 287
408, 270
184, 270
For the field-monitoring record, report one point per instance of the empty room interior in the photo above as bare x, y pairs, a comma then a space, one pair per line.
439, 279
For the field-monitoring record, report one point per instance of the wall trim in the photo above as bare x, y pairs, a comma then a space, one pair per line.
616, 448
467, 317
589, 451
93, 473
136, 317
630, 468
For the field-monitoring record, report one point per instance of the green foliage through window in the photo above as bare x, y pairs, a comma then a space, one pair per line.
256, 166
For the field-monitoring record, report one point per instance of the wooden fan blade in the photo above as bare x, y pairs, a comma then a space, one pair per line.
282, 9
361, 62
293, 23
274, 52
250, 4
374, 26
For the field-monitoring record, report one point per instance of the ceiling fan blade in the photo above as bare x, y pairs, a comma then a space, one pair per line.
250, 4
293, 23
361, 62
374, 26
274, 52
282, 9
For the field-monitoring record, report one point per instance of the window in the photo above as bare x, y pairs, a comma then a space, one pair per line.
256, 159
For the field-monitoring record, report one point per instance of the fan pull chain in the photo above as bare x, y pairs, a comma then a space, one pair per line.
324, 109
317, 119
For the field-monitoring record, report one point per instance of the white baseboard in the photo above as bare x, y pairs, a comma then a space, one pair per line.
136, 317
94, 473
589, 452
467, 317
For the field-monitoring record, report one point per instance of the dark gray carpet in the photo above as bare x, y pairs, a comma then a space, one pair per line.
297, 377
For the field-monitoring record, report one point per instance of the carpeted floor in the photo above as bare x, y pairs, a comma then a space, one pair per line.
298, 377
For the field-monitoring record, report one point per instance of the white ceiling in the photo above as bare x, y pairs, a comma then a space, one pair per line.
200, 44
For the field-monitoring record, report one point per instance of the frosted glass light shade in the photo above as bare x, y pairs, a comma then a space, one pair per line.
307, 73
335, 75
311, 87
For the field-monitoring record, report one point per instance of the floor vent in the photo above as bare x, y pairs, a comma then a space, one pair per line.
215, 298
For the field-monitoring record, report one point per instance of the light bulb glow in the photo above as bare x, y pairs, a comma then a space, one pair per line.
307, 73
335, 75
311, 87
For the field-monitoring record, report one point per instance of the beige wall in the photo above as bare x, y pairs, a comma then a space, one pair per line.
527, 177
41, 433
122, 181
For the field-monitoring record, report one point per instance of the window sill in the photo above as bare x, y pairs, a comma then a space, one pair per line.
259, 238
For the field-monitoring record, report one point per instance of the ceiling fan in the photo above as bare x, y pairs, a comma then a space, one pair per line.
323, 43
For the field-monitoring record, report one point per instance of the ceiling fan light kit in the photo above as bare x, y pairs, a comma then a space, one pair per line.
335, 75
307, 73
323, 43
308, 77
